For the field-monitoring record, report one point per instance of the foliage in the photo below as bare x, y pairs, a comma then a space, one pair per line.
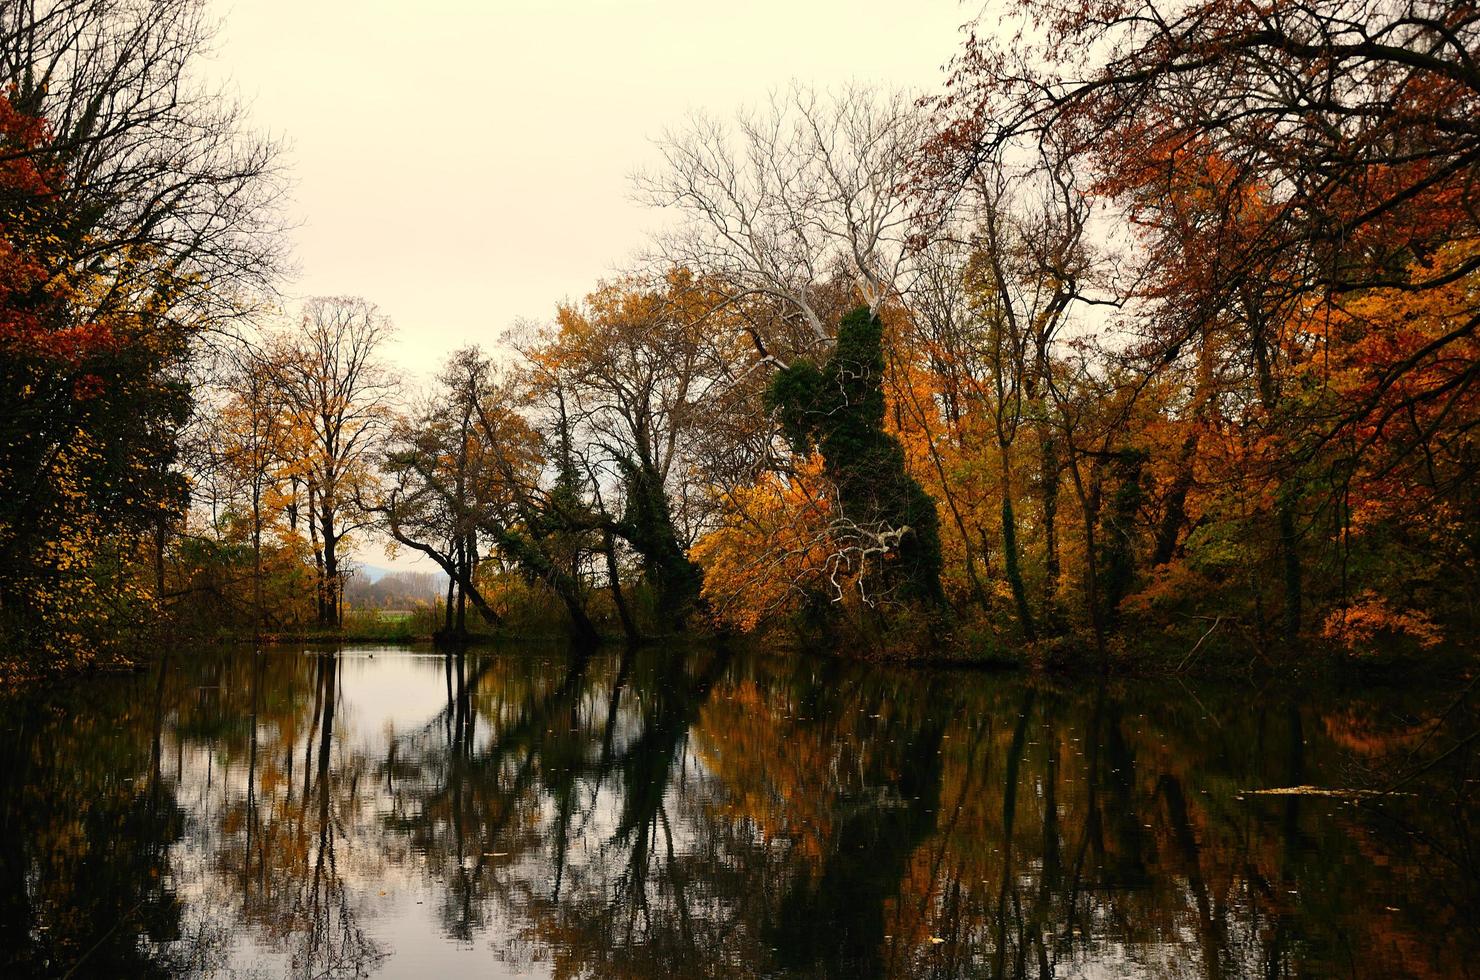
884, 518
135, 214
772, 554
1169, 317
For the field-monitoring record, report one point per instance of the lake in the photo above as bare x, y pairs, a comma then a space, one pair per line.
693, 812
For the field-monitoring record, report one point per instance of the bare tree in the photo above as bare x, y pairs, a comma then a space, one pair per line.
164, 180
783, 201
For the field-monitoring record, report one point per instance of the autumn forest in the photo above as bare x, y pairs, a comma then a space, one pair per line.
1022, 525
1153, 322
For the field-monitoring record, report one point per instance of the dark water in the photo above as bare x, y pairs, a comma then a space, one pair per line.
688, 813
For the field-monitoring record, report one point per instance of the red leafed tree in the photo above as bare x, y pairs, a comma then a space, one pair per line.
34, 279
135, 215
1301, 179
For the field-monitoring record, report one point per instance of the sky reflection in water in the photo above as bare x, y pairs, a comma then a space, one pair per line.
693, 813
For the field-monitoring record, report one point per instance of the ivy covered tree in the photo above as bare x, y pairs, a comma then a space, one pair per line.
886, 520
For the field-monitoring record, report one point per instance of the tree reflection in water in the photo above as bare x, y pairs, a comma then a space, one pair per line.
691, 812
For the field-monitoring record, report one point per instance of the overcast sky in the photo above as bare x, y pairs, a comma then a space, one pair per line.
465, 164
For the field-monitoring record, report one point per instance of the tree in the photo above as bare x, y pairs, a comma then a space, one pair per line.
773, 553
1027, 274
798, 208
1279, 162
255, 433
443, 486
626, 373
540, 529
789, 199
138, 214
839, 410
337, 389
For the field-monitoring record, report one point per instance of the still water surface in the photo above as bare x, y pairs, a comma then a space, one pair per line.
694, 813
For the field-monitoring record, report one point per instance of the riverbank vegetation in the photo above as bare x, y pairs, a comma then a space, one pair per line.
1155, 327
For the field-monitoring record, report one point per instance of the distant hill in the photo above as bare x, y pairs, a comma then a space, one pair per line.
374, 573
369, 573
393, 588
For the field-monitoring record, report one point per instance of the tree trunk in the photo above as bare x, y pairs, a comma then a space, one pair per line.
1010, 553
1048, 488
1175, 515
318, 555
1089, 507
460, 627
614, 581
1176, 504
1290, 557
331, 567
447, 610
159, 536
256, 562
455, 579
1284, 506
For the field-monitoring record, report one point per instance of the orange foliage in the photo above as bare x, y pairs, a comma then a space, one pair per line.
1370, 616
770, 547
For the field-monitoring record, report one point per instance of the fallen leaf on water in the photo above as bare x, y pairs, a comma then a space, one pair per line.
1317, 791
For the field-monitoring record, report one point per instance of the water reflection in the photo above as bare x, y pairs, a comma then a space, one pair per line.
698, 813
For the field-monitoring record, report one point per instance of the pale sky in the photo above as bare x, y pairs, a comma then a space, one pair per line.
464, 165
